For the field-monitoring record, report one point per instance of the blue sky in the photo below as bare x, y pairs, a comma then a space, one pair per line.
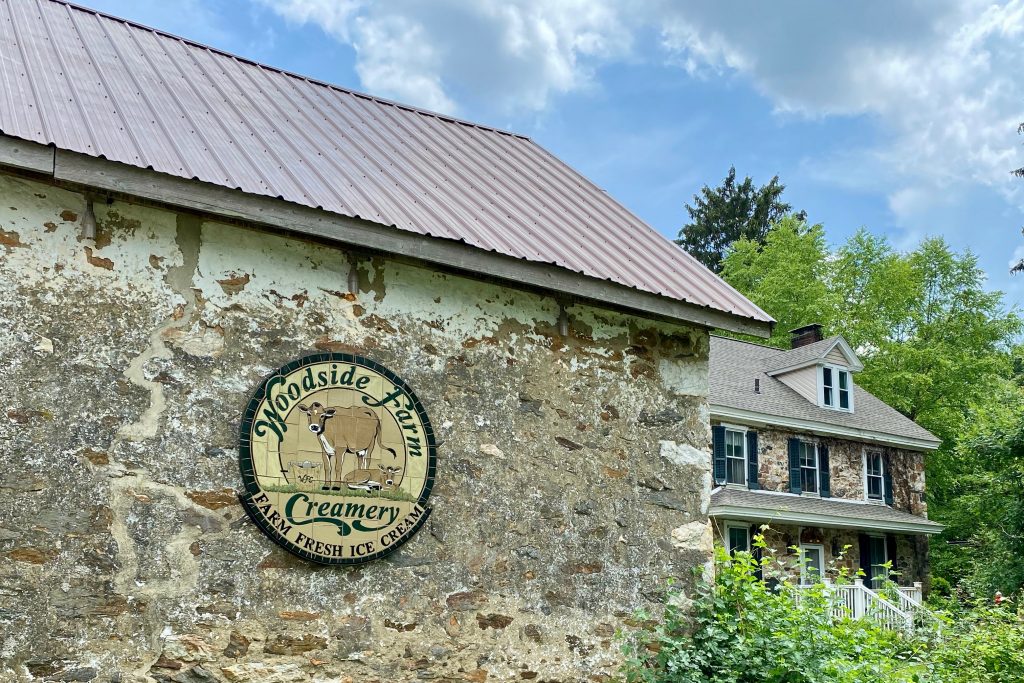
898, 117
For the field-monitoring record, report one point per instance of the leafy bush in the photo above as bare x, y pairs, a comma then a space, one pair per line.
740, 628
984, 645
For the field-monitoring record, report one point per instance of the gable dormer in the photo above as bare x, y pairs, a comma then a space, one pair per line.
820, 370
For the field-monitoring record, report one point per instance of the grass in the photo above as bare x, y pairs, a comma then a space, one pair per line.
344, 493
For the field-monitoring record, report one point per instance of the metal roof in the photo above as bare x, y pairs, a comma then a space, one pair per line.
735, 364
94, 84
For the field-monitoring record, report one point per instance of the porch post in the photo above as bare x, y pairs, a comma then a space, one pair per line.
859, 602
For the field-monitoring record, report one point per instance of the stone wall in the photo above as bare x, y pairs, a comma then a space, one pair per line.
846, 467
573, 473
842, 549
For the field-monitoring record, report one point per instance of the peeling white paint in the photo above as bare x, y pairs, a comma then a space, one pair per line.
685, 455
686, 378
693, 536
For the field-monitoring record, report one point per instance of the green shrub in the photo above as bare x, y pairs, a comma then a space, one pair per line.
739, 628
984, 645
941, 586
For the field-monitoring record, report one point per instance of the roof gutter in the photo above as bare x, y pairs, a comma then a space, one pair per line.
755, 419
83, 171
762, 514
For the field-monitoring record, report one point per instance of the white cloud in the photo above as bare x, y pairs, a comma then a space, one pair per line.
511, 54
940, 77
416, 77
333, 16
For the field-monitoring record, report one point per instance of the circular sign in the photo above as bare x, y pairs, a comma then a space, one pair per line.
338, 459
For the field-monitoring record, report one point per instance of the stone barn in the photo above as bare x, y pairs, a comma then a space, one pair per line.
304, 385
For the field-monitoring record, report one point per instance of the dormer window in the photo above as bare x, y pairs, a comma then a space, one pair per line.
836, 388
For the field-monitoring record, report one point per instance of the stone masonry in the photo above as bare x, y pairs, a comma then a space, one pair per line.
573, 471
846, 470
846, 467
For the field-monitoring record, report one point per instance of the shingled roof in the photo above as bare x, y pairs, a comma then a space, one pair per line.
770, 506
100, 86
807, 354
734, 365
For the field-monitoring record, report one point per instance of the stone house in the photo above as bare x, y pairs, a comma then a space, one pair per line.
835, 474
183, 232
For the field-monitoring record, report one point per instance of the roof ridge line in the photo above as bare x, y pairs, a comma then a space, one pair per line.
744, 341
447, 118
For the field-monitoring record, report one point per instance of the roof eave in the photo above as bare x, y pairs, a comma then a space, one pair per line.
769, 515
759, 419
87, 172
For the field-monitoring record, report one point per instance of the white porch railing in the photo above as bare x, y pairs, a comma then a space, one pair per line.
860, 602
914, 593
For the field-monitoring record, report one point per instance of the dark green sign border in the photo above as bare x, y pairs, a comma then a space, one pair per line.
249, 473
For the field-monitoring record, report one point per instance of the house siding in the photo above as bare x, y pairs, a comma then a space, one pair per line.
836, 357
803, 381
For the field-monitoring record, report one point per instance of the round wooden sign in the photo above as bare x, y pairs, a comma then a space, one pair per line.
338, 459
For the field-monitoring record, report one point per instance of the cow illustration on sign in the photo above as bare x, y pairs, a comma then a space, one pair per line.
336, 509
341, 431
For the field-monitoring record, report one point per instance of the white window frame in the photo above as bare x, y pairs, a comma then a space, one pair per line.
746, 456
836, 369
737, 525
864, 459
820, 547
817, 469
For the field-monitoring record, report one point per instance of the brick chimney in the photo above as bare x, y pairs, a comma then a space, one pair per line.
802, 336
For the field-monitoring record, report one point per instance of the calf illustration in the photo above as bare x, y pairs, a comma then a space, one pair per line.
371, 480
341, 431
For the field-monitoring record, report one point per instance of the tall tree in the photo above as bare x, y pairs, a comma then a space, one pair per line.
873, 288
786, 275
730, 212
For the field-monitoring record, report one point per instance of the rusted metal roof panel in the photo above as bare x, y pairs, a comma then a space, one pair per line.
89, 83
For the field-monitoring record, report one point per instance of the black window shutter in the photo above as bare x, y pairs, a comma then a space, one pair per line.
887, 480
890, 550
752, 467
718, 452
865, 557
755, 551
824, 474
794, 466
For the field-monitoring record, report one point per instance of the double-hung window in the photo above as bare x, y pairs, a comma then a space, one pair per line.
737, 536
836, 388
874, 476
808, 467
735, 456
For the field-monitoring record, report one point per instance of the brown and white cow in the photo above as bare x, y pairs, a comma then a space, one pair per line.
384, 478
342, 431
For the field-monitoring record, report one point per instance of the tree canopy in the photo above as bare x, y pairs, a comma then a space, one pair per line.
730, 212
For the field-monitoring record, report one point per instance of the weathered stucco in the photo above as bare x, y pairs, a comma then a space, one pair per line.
573, 471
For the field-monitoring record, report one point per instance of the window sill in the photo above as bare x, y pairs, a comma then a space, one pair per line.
737, 487
810, 495
875, 501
